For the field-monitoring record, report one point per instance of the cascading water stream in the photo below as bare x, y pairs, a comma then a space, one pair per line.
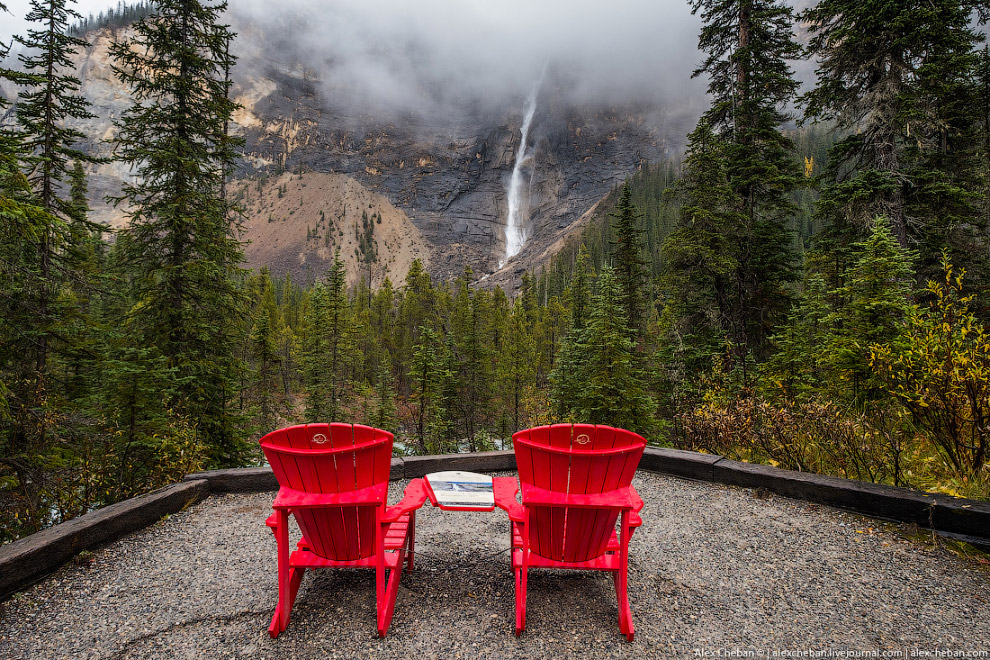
519, 184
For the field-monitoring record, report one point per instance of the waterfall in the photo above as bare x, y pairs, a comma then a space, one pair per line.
519, 185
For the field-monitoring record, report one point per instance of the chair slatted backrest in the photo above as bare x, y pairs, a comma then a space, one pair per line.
332, 458
579, 459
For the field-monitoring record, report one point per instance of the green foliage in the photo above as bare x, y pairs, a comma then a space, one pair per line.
431, 376
628, 262
898, 78
824, 348
598, 378
181, 240
328, 347
701, 259
940, 371
749, 43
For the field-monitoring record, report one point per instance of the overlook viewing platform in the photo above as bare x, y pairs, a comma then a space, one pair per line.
713, 567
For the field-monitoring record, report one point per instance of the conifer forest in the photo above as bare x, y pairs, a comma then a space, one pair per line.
807, 285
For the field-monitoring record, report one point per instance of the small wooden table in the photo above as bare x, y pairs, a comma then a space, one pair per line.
460, 491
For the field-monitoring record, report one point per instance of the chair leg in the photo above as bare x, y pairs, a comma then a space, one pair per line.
625, 612
412, 542
288, 578
521, 577
621, 579
387, 596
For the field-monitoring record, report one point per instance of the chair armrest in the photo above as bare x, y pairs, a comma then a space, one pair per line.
289, 498
620, 498
412, 498
505, 489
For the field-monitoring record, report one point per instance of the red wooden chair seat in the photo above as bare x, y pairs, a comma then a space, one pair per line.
576, 485
334, 481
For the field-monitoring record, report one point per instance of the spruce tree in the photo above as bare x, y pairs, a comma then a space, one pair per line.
875, 304
628, 262
579, 291
263, 339
329, 346
49, 102
702, 255
183, 247
430, 375
470, 326
895, 77
749, 43
795, 371
609, 385
516, 366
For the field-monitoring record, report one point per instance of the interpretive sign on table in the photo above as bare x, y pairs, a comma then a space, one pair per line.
461, 491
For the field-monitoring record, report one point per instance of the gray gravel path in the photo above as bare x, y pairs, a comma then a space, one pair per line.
712, 568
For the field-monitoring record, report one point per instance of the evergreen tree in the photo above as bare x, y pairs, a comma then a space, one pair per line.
183, 247
329, 346
26, 414
470, 327
896, 77
263, 340
516, 367
628, 262
579, 290
49, 102
604, 378
824, 349
417, 309
430, 375
748, 44
875, 304
384, 414
702, 257
794, 371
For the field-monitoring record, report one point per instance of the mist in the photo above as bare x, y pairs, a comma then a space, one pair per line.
464, 55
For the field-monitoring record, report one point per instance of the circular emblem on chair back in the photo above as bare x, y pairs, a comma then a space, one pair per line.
319, 439
583, 439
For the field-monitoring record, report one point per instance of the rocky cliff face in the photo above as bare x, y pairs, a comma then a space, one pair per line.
450, 177
446, 172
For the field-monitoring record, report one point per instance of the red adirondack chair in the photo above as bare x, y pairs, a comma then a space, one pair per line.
334, 480
575, 485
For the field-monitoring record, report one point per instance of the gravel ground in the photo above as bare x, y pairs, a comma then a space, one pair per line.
713, 568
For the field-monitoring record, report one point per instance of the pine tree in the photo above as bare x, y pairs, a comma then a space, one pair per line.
49, 103
470, 328
430, 375
896, 78
417, 308
26, 414
875, 304
516, 367
702, 254
579, 291
384, 414
184, 250
605, 378
795, 371
628, 262
263, 339
329, 346
749, 43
